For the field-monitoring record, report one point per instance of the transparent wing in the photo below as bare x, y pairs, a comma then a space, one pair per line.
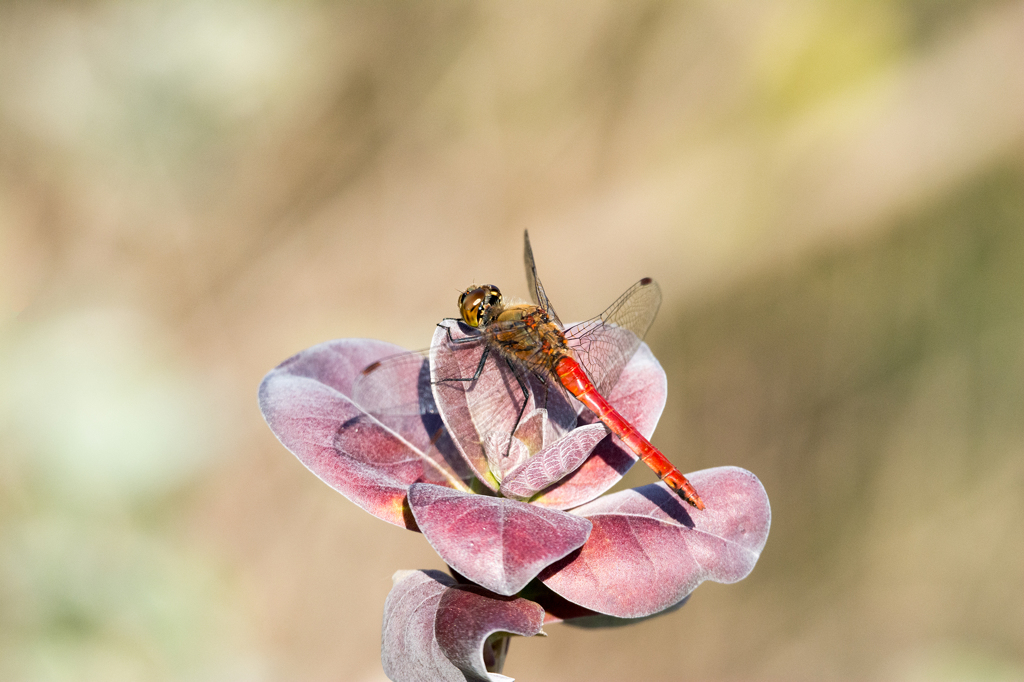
606, 343
396, 392
395, 386
533, 281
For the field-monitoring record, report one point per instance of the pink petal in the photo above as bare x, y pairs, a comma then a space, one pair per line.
499, 543
648, 550
306, 401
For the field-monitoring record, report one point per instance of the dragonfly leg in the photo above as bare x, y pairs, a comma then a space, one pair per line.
476, 374
457, 342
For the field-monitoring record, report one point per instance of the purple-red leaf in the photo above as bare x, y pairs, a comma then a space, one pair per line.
553, 463
307, 401
435, 630
499, 543
409, 650
467, 615
648, 549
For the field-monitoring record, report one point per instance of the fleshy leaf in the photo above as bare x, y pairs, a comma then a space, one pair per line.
307, 402
481, 415
409, 650
499, 543
558, 609
435, 630
468, 615
648, 549
639, 396
553, 463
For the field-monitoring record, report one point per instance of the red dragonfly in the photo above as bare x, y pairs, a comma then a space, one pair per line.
583, 359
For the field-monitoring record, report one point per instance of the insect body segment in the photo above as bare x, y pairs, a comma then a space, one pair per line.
575, 380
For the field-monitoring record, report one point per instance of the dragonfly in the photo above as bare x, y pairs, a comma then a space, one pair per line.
584, 359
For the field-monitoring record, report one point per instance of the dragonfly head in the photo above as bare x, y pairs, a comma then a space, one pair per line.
479, 305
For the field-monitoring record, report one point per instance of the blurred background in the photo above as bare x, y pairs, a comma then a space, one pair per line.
831, 195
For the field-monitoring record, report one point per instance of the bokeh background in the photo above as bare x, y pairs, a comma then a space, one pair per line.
831, 195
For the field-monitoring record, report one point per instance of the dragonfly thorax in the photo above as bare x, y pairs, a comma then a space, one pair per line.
480, 305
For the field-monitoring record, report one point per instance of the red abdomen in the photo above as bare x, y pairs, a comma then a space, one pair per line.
576, 381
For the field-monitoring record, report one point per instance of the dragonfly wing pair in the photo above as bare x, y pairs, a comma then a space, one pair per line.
606, 343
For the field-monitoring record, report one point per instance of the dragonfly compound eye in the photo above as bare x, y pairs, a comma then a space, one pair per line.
479, 305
